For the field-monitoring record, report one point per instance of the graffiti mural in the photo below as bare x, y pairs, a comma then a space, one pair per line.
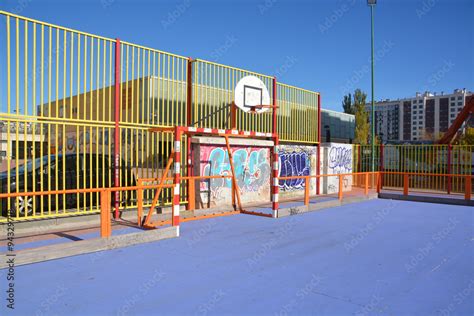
340, 159
335, 159
295, 161
252, 169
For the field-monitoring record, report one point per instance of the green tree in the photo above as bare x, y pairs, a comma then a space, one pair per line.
468, 137
347, 104
362, 126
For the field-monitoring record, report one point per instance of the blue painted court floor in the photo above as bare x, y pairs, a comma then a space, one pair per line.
375, 257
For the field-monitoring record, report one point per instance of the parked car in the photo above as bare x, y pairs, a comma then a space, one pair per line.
81, 171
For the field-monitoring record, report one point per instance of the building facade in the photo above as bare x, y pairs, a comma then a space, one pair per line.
337, 127
423, 117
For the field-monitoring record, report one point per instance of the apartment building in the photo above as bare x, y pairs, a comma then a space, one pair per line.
337, 127
422, 117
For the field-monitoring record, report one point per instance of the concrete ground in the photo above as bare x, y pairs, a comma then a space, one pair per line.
374, 257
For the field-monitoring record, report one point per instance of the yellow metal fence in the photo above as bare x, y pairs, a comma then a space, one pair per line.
418, 159
57, 117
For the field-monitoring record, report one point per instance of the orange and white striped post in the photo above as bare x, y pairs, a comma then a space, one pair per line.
177, 171
275, 164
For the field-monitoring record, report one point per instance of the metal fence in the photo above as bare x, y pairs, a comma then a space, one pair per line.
418, 159
79, 106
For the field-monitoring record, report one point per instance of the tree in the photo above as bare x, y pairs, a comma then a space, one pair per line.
359, 97
468, 137
347, 104
362, 126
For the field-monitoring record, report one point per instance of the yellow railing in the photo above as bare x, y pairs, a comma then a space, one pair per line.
58, 114
422, 160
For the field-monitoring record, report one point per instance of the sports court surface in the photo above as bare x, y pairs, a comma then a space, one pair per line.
375, 257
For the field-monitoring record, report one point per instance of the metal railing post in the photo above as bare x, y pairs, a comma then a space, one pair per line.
449, 168
139, 202
117, 126
191, 194
340, 188
467, 187
366, 184
105, 224
405, 184
306, 191
177, 172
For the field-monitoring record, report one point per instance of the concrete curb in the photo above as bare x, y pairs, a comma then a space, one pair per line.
426, 199
323, 205
81, 247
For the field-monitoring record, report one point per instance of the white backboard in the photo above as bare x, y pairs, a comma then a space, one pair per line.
251, 91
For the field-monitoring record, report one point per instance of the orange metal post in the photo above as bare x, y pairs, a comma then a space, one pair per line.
405, 184
234, 180
191, 194
467, 185
189, 122
366, 184
105, 229
306, 191
233, 116
340, 187
378, 185
158, 192
139, 202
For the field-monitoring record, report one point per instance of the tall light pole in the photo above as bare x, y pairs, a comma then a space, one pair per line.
372, 4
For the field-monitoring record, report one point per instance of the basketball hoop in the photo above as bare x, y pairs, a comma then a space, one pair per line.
251, 95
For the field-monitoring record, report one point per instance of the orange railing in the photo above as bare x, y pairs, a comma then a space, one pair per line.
340, 192
105, 199
407, 175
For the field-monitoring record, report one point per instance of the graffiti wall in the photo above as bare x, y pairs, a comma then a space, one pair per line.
296, 160
252, 168
335, 159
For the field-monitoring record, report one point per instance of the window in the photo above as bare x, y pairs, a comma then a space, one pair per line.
460, 103
453, 98
452, 109
414, 138
414, 112
453, 104
460, 97
420, 122
414, 128
421, 101
452, 115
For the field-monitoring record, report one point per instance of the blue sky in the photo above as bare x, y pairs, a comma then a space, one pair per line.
318, 45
